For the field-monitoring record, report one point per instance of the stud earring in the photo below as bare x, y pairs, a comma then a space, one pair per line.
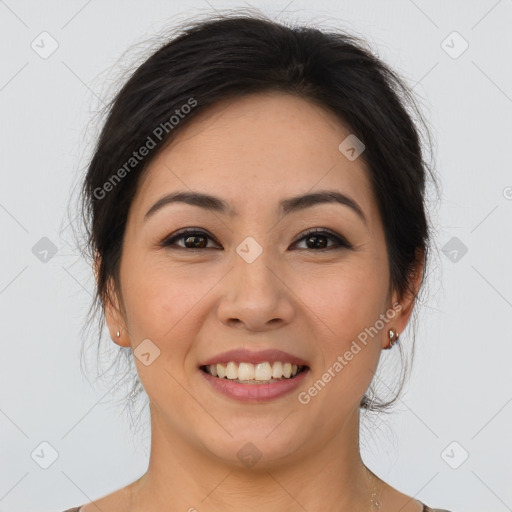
118, 334
393, 338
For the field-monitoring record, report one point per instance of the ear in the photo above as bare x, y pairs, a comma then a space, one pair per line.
409, 299
113, 315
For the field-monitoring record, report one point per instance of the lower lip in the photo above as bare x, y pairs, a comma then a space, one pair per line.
255, 392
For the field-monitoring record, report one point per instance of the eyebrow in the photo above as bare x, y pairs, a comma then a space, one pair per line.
287, 206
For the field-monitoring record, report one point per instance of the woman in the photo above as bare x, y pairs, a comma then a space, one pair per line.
257, 221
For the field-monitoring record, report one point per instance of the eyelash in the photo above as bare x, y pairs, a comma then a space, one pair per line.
340, 241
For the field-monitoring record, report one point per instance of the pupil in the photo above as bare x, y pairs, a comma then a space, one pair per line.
321, 245
193, 240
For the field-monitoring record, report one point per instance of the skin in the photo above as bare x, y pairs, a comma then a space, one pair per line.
253, 152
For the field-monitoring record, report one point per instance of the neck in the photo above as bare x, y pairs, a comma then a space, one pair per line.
328, 475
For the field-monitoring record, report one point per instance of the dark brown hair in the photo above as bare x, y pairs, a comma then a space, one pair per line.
232, 55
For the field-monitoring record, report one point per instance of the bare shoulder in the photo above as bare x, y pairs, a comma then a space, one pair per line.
392, 500
118, 501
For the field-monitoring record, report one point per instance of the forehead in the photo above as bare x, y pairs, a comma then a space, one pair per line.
254, 151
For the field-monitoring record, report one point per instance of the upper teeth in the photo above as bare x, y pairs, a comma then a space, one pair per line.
249, 371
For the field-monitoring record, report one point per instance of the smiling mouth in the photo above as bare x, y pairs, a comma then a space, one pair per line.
247, 373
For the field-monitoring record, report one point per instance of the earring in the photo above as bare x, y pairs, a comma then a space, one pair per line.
118, 334
393, 338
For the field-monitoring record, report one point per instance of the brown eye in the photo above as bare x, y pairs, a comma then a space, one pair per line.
318, 239
193, 239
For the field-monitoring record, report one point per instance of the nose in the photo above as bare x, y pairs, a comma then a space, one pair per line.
255, 297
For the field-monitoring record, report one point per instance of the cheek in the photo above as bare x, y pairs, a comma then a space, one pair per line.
160, 307
158, 296
345, 306
345, 301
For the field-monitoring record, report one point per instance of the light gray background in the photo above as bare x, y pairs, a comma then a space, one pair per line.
460, 389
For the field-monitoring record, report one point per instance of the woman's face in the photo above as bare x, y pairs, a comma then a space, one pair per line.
250, 280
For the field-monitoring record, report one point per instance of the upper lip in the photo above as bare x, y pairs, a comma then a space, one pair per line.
252, 356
